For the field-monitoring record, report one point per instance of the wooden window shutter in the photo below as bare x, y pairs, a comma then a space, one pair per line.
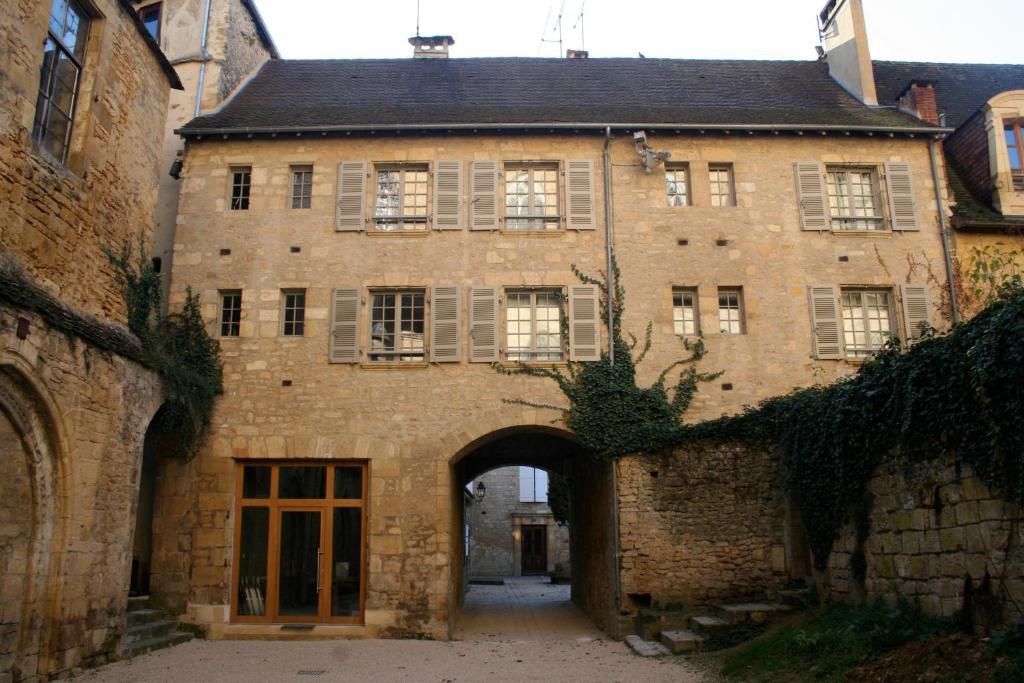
445, 324
579, 188
344, 341
811, 195
916, 310
351, 207
483, 325
484, 203
584, 323
448, 195
902, 204
825, 322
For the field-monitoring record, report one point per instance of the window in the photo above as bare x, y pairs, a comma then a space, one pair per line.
533, 485
230, 312
722, 191
684, 311
677, 185
150, 16
302, 187
63, 56
730, 310
531, 197
867, 320
396, 326
401, 203
533, 325
241, 177
853, 199
1015, 147
294, 313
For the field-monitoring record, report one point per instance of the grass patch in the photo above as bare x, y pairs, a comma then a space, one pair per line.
832, 642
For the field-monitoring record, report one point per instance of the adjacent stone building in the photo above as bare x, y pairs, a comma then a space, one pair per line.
83, 95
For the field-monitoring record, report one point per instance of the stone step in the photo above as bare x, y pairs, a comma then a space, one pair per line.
144, 616
136, 602
798, 598
708, 625
143, 646
651, 622
148, 631
646, 648
752, 612
678, 642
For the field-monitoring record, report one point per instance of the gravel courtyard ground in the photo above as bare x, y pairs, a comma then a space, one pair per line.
525, 630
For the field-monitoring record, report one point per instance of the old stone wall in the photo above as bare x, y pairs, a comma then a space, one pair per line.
595, 568
702, 524
937, 536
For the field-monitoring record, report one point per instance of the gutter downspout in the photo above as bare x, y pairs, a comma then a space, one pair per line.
944, 227
203, 55
616, 555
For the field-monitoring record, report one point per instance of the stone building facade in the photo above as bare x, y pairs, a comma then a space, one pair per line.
83, 94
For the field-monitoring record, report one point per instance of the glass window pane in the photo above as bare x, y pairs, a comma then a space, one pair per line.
346, 563
348, 482
256, 482
299, 564
252, 561
302, 482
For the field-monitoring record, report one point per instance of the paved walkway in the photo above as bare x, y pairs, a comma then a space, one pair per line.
526, 630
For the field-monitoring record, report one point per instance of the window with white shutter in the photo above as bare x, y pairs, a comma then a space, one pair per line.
868, 320
344, 340
483, 325
531, 197
579, 188
899, 180
445, 324
916, 310
448, 195
533, 325
584, 323
351, 200
810, 187
483, 211
825, 322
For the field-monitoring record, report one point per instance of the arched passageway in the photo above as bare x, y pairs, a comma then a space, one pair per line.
592, 571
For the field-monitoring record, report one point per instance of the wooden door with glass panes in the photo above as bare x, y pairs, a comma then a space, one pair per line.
300, 539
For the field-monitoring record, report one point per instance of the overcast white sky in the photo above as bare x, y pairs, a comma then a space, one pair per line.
913, 30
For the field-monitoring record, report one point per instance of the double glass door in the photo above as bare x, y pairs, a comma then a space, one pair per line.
299, 543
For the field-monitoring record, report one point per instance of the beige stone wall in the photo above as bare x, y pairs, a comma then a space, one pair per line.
58, 220
401, 418
934, 529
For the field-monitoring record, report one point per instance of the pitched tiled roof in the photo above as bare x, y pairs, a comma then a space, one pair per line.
494, 92
960, 89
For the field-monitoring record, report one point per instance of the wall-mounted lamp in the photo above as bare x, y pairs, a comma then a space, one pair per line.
481, 491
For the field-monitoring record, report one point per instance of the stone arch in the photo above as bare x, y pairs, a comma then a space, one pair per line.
33, 484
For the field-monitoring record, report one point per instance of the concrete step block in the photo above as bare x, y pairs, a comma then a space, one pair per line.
752, 612
646, 648
709, 625
144, 616
148, 631
143, 646
678, 642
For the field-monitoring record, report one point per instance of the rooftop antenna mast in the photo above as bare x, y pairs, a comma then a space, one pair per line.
417, 18
561, 10
579, 21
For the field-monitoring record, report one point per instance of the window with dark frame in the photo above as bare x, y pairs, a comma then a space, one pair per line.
531, 197
294, 313
1015, 148
150, 16
400, 204
854, 199
730, 310
723, 190
685, 320
302, 187
397, 324
241, 177
533, 325
230, 312
677, 184
63, 57
868, 316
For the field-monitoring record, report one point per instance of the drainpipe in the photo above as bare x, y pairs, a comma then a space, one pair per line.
608, 240
944, 226
203, 55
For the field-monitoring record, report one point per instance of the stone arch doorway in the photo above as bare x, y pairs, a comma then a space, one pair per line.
592, 538
32, 502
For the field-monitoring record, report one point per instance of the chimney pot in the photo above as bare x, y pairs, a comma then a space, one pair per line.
919, 100
431, 47
576, 54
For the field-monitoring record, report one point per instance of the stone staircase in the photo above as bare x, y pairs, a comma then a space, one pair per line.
661, 632
148, 629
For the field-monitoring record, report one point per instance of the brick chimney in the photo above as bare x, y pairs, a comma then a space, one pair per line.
844, 37
430, 47
918, 99
576, 54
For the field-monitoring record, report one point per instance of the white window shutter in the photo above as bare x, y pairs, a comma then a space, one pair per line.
811, 195
351, 200
483, 325
584, 323
899, 180
825, 323
344, 341
445, 324
448, 195
483, 211
916, 310
579, 187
